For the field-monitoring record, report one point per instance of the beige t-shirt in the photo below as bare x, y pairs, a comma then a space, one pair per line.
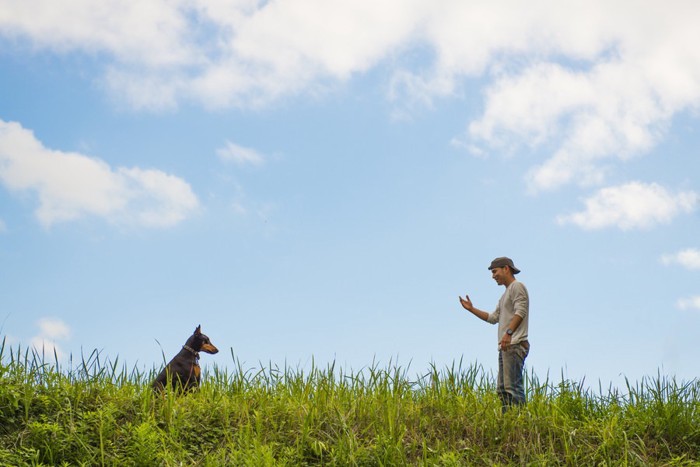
514, 301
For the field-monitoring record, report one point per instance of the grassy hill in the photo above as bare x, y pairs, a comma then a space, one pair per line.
100, 413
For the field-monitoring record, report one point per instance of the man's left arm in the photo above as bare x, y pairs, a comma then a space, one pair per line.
521, 302
514, 323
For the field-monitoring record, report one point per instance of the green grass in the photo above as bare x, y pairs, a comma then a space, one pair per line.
101, 413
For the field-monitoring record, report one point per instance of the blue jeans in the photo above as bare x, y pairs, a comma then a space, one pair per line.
511, 362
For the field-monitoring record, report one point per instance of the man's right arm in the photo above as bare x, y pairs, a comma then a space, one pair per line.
469, 306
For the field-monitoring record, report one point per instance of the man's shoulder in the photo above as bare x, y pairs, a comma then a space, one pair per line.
517, 286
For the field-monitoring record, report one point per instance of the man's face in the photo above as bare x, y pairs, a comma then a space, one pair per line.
499, 275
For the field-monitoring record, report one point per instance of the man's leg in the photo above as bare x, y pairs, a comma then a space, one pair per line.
511, 364
503, 395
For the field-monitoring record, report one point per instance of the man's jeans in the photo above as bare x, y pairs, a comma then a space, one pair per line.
511, 361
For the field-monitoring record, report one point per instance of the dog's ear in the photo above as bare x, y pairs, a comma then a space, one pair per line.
198, 330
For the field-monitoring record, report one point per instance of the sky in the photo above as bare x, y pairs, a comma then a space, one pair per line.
317, 181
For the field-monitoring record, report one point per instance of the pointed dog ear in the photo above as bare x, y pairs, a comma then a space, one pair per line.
198, 330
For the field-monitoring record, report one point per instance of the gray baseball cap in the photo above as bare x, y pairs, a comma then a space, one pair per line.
502, 262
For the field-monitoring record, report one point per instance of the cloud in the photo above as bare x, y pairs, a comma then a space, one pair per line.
691, 303
688, 258
633, 205
50, 331
154, 34
592, 116
601, 89
247, 53
70, 186
52, 328
240, 155
594, 83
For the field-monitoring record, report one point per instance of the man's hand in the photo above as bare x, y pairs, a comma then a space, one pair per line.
505, 342
466, 303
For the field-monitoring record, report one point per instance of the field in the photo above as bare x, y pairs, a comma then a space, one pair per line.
97, 412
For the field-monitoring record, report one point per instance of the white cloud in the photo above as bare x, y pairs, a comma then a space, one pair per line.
688, 258
610, 98
250, 53
3, 226
609, 112
634, 205
50, 331
70, 186
52, 328
597, 81
240, 155
149, 34
691, 303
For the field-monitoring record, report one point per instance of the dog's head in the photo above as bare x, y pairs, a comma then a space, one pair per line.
200, 342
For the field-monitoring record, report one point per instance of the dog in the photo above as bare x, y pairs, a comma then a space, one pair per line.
183, 371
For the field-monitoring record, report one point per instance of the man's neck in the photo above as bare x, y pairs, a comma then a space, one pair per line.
508, 281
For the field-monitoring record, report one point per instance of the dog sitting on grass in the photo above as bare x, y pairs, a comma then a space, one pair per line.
183, 371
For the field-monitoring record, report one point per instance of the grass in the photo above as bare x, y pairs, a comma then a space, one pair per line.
101, 413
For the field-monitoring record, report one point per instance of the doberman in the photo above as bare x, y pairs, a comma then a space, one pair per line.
183, 371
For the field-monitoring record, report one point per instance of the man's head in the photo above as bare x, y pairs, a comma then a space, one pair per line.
503, 270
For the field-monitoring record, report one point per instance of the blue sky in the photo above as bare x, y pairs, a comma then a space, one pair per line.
322, 179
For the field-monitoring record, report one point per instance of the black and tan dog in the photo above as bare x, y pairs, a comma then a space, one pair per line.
183, 371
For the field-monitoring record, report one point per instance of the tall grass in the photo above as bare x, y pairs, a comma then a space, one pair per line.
99, 412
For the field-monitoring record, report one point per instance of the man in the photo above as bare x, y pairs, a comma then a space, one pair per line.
511, 314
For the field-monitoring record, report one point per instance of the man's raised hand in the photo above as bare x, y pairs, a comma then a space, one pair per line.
466, 303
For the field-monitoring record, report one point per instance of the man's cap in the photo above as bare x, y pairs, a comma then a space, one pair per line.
502, 262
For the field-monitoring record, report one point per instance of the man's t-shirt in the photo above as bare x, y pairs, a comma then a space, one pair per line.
514, 301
